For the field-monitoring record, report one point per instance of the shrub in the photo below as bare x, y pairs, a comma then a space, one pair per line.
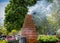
47, 39
3, 41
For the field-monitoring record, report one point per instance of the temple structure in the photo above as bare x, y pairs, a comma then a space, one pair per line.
28, 30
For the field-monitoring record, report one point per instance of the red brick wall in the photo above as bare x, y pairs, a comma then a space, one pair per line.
28, 30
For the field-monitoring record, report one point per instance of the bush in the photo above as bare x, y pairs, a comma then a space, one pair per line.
47, 39
3, 41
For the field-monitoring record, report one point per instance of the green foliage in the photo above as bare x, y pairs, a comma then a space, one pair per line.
13, 32
15, 12
47, 38
3, 41
3, 30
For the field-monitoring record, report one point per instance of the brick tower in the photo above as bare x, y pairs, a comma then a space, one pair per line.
28, 30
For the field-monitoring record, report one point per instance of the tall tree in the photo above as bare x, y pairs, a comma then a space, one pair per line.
15, 12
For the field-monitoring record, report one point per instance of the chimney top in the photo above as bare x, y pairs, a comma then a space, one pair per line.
28, 22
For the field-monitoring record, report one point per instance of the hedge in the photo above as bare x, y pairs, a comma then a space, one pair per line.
47, 39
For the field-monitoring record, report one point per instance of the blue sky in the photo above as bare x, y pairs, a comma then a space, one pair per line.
3, 4
4, 0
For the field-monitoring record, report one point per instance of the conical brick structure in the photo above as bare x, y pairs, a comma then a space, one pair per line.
28, 30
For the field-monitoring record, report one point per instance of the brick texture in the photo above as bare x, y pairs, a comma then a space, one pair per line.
28, 30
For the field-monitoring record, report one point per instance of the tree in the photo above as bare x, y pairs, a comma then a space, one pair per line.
15, 12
